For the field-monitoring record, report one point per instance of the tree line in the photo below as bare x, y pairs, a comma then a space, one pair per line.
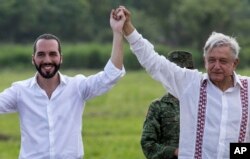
173, 23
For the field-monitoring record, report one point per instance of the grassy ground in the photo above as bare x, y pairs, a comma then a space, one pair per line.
112, 122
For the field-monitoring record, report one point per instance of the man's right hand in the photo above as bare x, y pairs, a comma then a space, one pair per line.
128, 27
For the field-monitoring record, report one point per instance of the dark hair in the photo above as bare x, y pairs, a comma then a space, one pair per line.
47, 37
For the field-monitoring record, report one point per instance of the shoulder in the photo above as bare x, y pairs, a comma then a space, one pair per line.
67, 79
169, 99
164, 101
23, 83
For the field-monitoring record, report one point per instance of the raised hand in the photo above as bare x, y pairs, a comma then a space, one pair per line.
128, 27
117, 20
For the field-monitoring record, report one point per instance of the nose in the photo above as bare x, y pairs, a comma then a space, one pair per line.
47, 59
217, 65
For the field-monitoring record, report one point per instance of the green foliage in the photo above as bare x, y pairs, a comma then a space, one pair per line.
86, 55
176, 23
244, 58
96, 55
13, 56
77, 55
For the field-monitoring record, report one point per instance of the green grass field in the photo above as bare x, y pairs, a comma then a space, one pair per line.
112, 123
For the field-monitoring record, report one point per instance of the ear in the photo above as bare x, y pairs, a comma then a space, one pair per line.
32, 59
236, 63
205, 62
61, 61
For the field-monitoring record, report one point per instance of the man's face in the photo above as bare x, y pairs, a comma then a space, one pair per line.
47, 58
220, 64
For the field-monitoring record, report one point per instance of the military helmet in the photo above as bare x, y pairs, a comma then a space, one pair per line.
181, 58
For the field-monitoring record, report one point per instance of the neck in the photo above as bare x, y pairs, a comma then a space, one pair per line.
49, 85
225, 84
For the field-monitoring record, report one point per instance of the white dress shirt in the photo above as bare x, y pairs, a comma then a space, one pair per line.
223, 110
51, 128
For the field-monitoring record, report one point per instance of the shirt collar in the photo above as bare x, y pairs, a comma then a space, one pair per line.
235, 76
34, 79
237, 81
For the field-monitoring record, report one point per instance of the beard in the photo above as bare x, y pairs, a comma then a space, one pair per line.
47, 74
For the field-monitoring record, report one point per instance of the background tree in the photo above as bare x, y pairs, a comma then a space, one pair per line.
180, 24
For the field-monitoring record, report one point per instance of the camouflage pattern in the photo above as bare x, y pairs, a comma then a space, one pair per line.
181, 58
160, 134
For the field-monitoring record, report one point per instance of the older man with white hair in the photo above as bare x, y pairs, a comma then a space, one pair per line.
213, 105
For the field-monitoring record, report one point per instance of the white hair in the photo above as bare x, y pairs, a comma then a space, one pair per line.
219, 39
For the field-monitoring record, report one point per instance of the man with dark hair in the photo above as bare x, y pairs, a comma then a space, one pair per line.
160, 135
48, 37
50, 105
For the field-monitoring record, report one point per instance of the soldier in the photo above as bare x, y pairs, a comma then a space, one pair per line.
160, 135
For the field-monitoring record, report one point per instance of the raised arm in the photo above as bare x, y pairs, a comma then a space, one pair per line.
117, 19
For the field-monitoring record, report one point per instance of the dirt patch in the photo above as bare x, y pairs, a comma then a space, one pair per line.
4, 137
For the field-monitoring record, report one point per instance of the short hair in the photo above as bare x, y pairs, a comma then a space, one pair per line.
219, 39
47, 36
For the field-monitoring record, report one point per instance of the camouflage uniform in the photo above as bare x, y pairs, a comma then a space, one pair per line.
160, 135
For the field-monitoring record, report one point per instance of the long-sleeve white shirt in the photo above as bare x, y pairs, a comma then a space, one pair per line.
51, 128
223, 109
